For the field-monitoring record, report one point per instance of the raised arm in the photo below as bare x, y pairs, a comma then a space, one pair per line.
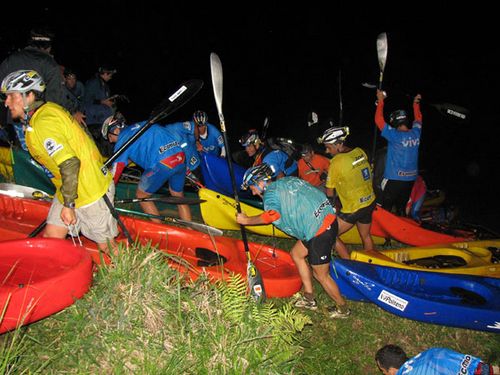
379, 113
417, 114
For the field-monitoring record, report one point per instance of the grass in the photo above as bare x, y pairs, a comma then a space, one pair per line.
140, 317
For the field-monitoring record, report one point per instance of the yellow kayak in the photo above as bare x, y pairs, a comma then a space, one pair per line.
480, 258
219, 211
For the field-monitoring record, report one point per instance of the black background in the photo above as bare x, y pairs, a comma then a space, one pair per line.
283, 61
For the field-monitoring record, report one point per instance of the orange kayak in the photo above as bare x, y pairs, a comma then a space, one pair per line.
193, 253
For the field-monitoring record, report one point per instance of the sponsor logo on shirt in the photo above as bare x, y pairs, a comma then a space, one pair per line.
411, 142
464, 365
167, 147
320, 209
365, 172
52, 146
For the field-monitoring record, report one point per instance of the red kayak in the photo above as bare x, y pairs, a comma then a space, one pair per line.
193, 253
39, 277
405, 230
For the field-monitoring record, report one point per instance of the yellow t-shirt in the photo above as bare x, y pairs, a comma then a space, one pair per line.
54, 137
350, 175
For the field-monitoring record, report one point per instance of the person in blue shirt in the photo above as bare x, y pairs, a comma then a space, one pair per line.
401, 166
304, 212
280, 162
209, 137
159, 151
392, 360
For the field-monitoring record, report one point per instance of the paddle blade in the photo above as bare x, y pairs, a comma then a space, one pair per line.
216, 70
255, 283
170, 200
196, 226
454, 112
177, 99
382, 50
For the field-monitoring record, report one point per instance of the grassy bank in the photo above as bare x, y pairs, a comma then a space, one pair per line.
140, 317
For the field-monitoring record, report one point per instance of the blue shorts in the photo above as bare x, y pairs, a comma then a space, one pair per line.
164, 171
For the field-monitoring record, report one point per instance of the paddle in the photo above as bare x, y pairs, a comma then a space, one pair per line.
382, 59
264, 128
452, 111
254, 278
171, 200
197, 226
168, 106
341, 106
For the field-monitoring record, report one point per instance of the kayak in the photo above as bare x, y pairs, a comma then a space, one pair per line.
192, 253
17, 165
216, 176
480, 258
40, 276
463, 301
219, 211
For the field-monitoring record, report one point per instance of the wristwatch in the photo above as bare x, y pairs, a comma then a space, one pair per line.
70, 205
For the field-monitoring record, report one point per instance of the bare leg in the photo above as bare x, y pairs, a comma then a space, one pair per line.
147, 207
299, 253
340, 247
184, 210
366, 238
321, 274
55, 231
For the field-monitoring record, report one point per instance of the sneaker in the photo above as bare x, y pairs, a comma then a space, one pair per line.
335, 313
303, 302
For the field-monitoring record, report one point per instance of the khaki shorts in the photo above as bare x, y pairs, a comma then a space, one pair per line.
93, 220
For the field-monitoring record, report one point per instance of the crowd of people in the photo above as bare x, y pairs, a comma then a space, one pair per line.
70, 128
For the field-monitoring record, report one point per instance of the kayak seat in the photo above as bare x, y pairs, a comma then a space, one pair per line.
438, 261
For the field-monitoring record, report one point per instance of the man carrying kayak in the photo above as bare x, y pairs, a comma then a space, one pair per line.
304, 212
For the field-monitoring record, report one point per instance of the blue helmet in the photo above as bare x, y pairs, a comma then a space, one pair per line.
253, 175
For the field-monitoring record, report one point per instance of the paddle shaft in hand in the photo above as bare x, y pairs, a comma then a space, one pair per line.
382, 59
254, 278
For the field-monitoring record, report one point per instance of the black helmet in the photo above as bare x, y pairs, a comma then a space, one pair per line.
398, 118
306, 149
41, 38
105, 68
250, 138
200, 118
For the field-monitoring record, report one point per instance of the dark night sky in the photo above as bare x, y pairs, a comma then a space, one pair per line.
284, 62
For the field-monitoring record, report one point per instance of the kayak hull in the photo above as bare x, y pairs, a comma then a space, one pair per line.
40, 277
452, 300
191, 252
480, 258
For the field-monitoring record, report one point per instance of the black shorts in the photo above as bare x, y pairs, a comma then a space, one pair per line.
320, 247
362, 216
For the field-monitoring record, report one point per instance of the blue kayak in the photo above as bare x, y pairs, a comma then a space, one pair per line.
216, 175
463, 301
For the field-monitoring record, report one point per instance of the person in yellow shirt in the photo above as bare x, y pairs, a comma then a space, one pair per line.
350, 177
58, 142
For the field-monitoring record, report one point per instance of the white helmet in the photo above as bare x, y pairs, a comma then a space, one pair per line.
334, 135
23, 81
115, 121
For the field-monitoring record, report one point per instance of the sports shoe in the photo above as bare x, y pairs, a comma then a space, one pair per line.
335, 313
303, 302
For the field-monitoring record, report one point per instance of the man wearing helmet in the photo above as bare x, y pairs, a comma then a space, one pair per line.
160, 151
209, 137
280, 162
313, 167
401, 167
60, 144
304, 212
350, 177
